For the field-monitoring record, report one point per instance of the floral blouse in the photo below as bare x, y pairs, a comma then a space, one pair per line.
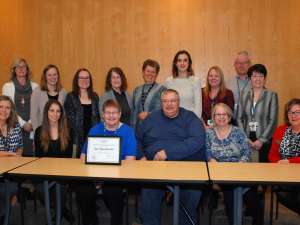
233, 148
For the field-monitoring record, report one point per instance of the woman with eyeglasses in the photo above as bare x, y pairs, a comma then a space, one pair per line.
286, 149
82, 107
50, 88
227, 143
258, 114
113, 194
19, 89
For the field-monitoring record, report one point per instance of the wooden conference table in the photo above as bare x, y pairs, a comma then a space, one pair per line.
158, 172
250, 174
161, 172
7, 164
10, 163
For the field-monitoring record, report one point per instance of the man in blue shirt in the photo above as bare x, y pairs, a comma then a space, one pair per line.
173, 134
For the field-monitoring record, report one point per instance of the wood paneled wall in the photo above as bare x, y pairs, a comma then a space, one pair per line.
98, 34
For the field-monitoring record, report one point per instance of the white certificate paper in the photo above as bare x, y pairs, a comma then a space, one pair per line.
103, 150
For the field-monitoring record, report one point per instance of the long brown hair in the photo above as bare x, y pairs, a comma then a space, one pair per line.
12, 119
190, 70
63, 131
75, 87
120, 72
43, 83
207, 88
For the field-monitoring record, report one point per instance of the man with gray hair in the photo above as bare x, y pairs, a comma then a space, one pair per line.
240, 83
173, 134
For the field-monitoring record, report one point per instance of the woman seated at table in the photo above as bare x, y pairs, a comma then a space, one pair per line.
215, 92
11, 133
10, 143
113, 194
52, 139
227, 143
286, 149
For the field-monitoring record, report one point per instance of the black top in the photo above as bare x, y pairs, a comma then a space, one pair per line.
87, 118
54, 149
74, 113
52, 97
125, 109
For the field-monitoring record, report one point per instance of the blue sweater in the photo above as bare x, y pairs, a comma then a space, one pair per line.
128, 141
182, 137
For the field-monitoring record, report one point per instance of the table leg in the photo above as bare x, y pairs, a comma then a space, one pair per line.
176, 192
58, 203
238, 205
47, 202
7, 204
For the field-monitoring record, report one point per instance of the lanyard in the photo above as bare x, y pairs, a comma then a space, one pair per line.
145, 94
253, 106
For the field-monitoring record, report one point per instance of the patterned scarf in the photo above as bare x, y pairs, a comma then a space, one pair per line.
22, 99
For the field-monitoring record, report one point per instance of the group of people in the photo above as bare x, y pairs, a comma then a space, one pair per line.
177, 120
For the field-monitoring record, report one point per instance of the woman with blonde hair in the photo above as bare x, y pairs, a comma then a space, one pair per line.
50, 88
19, 89
228, 143
215, 92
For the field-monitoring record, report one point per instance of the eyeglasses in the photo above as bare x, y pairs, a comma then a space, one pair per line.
295, 113
243, 63
21, 67
220, 115
111, 113
258, 75
171, 101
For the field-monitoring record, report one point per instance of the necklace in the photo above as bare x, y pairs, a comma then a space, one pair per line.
145, 94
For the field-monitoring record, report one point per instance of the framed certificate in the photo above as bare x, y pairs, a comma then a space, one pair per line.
103, 150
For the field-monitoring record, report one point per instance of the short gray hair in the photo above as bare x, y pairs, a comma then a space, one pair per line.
169, 90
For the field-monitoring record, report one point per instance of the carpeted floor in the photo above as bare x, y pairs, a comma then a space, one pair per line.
286, 217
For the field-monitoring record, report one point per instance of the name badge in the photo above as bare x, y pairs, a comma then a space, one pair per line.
210, 123
253, 126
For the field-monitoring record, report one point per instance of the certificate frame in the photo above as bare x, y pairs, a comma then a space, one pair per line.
103, 150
